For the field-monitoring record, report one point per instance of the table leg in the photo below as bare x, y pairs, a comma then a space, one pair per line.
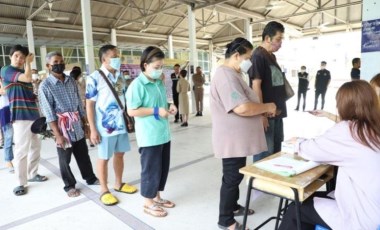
247, 202
297, 204
279, 213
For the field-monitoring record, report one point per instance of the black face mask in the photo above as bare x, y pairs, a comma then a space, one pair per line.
58, 68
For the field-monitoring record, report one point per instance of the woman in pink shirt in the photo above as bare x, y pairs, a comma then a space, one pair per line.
353, 145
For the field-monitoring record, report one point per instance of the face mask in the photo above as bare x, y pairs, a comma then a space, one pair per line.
58, 68
155, 74
127, 77
323, 67
245, 65
115, 63
302, 71
34, 76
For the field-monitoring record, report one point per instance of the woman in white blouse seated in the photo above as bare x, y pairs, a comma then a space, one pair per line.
353, 145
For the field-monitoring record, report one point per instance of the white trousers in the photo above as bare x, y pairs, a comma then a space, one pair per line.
26, 151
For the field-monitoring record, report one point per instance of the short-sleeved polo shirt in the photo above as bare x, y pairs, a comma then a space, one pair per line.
143, 93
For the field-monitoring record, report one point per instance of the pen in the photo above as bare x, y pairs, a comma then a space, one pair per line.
284, 166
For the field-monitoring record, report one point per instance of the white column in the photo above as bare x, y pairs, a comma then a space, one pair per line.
369, 60
43, 53
113, 37
210, 54
193, 51
248, 29
87, 36
29, 34
170, 46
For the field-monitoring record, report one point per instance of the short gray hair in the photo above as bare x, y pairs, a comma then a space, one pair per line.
52, 54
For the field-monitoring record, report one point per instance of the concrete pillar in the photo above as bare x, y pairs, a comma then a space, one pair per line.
113, 37
87, 36
248, 29
170, 46
193, 50
43, 53
210, 54
370, 60
29, 32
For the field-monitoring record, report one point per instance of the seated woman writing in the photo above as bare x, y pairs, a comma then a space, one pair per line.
353, 145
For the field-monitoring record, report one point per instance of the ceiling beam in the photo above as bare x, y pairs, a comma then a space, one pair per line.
148, 15
236, 28
310, 12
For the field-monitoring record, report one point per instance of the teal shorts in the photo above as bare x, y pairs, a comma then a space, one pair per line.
113, 144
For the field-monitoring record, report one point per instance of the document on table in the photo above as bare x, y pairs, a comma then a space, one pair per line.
286, 166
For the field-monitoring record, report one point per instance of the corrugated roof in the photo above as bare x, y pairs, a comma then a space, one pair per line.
151, 21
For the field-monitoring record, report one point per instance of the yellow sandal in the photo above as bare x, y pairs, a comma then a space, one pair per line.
108, 199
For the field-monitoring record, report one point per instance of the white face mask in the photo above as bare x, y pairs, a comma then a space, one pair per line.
323, 67
245, 65
127, 77
34, 76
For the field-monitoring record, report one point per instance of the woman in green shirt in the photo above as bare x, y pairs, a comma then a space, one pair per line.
146, 101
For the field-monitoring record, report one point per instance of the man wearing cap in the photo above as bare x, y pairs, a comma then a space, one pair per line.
62, 106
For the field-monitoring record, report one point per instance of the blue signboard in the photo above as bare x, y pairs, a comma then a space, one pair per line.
371, 36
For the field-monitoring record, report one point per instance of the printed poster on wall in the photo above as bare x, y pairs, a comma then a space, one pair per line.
371, 36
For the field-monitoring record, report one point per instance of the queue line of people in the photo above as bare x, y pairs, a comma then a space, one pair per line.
249, 113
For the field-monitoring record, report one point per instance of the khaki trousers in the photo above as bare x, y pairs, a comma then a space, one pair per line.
198, 93
26, 151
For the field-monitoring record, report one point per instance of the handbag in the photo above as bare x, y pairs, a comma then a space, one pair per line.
288, 89
129, 121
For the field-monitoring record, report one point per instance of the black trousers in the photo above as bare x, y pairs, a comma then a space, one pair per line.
229, 192
80, 151
321, 92
176, 103
303, 93
309, 216
155, 163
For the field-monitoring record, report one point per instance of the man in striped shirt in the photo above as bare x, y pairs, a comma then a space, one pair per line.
17, 82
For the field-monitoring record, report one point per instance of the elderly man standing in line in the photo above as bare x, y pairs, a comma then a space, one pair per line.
108, 129
17, 82
61, 104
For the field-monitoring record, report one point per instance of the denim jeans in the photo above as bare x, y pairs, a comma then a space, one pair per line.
8, 139
155, 163
274, 136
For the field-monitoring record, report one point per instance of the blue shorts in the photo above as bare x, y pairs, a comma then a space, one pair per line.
113, 144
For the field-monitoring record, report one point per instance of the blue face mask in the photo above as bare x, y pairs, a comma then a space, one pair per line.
115, 63
156, 74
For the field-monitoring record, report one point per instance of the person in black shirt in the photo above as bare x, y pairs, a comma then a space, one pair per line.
267, 80
321, 83
303, 84
175, 77
355, 71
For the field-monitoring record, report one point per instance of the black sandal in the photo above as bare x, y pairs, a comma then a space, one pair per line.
241, 210
238, 226
38, 178
19, 190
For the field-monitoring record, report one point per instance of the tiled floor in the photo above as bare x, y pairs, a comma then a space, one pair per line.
193, 184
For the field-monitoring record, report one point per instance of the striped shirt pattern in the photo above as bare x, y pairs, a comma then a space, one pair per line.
22, 101
57, 97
